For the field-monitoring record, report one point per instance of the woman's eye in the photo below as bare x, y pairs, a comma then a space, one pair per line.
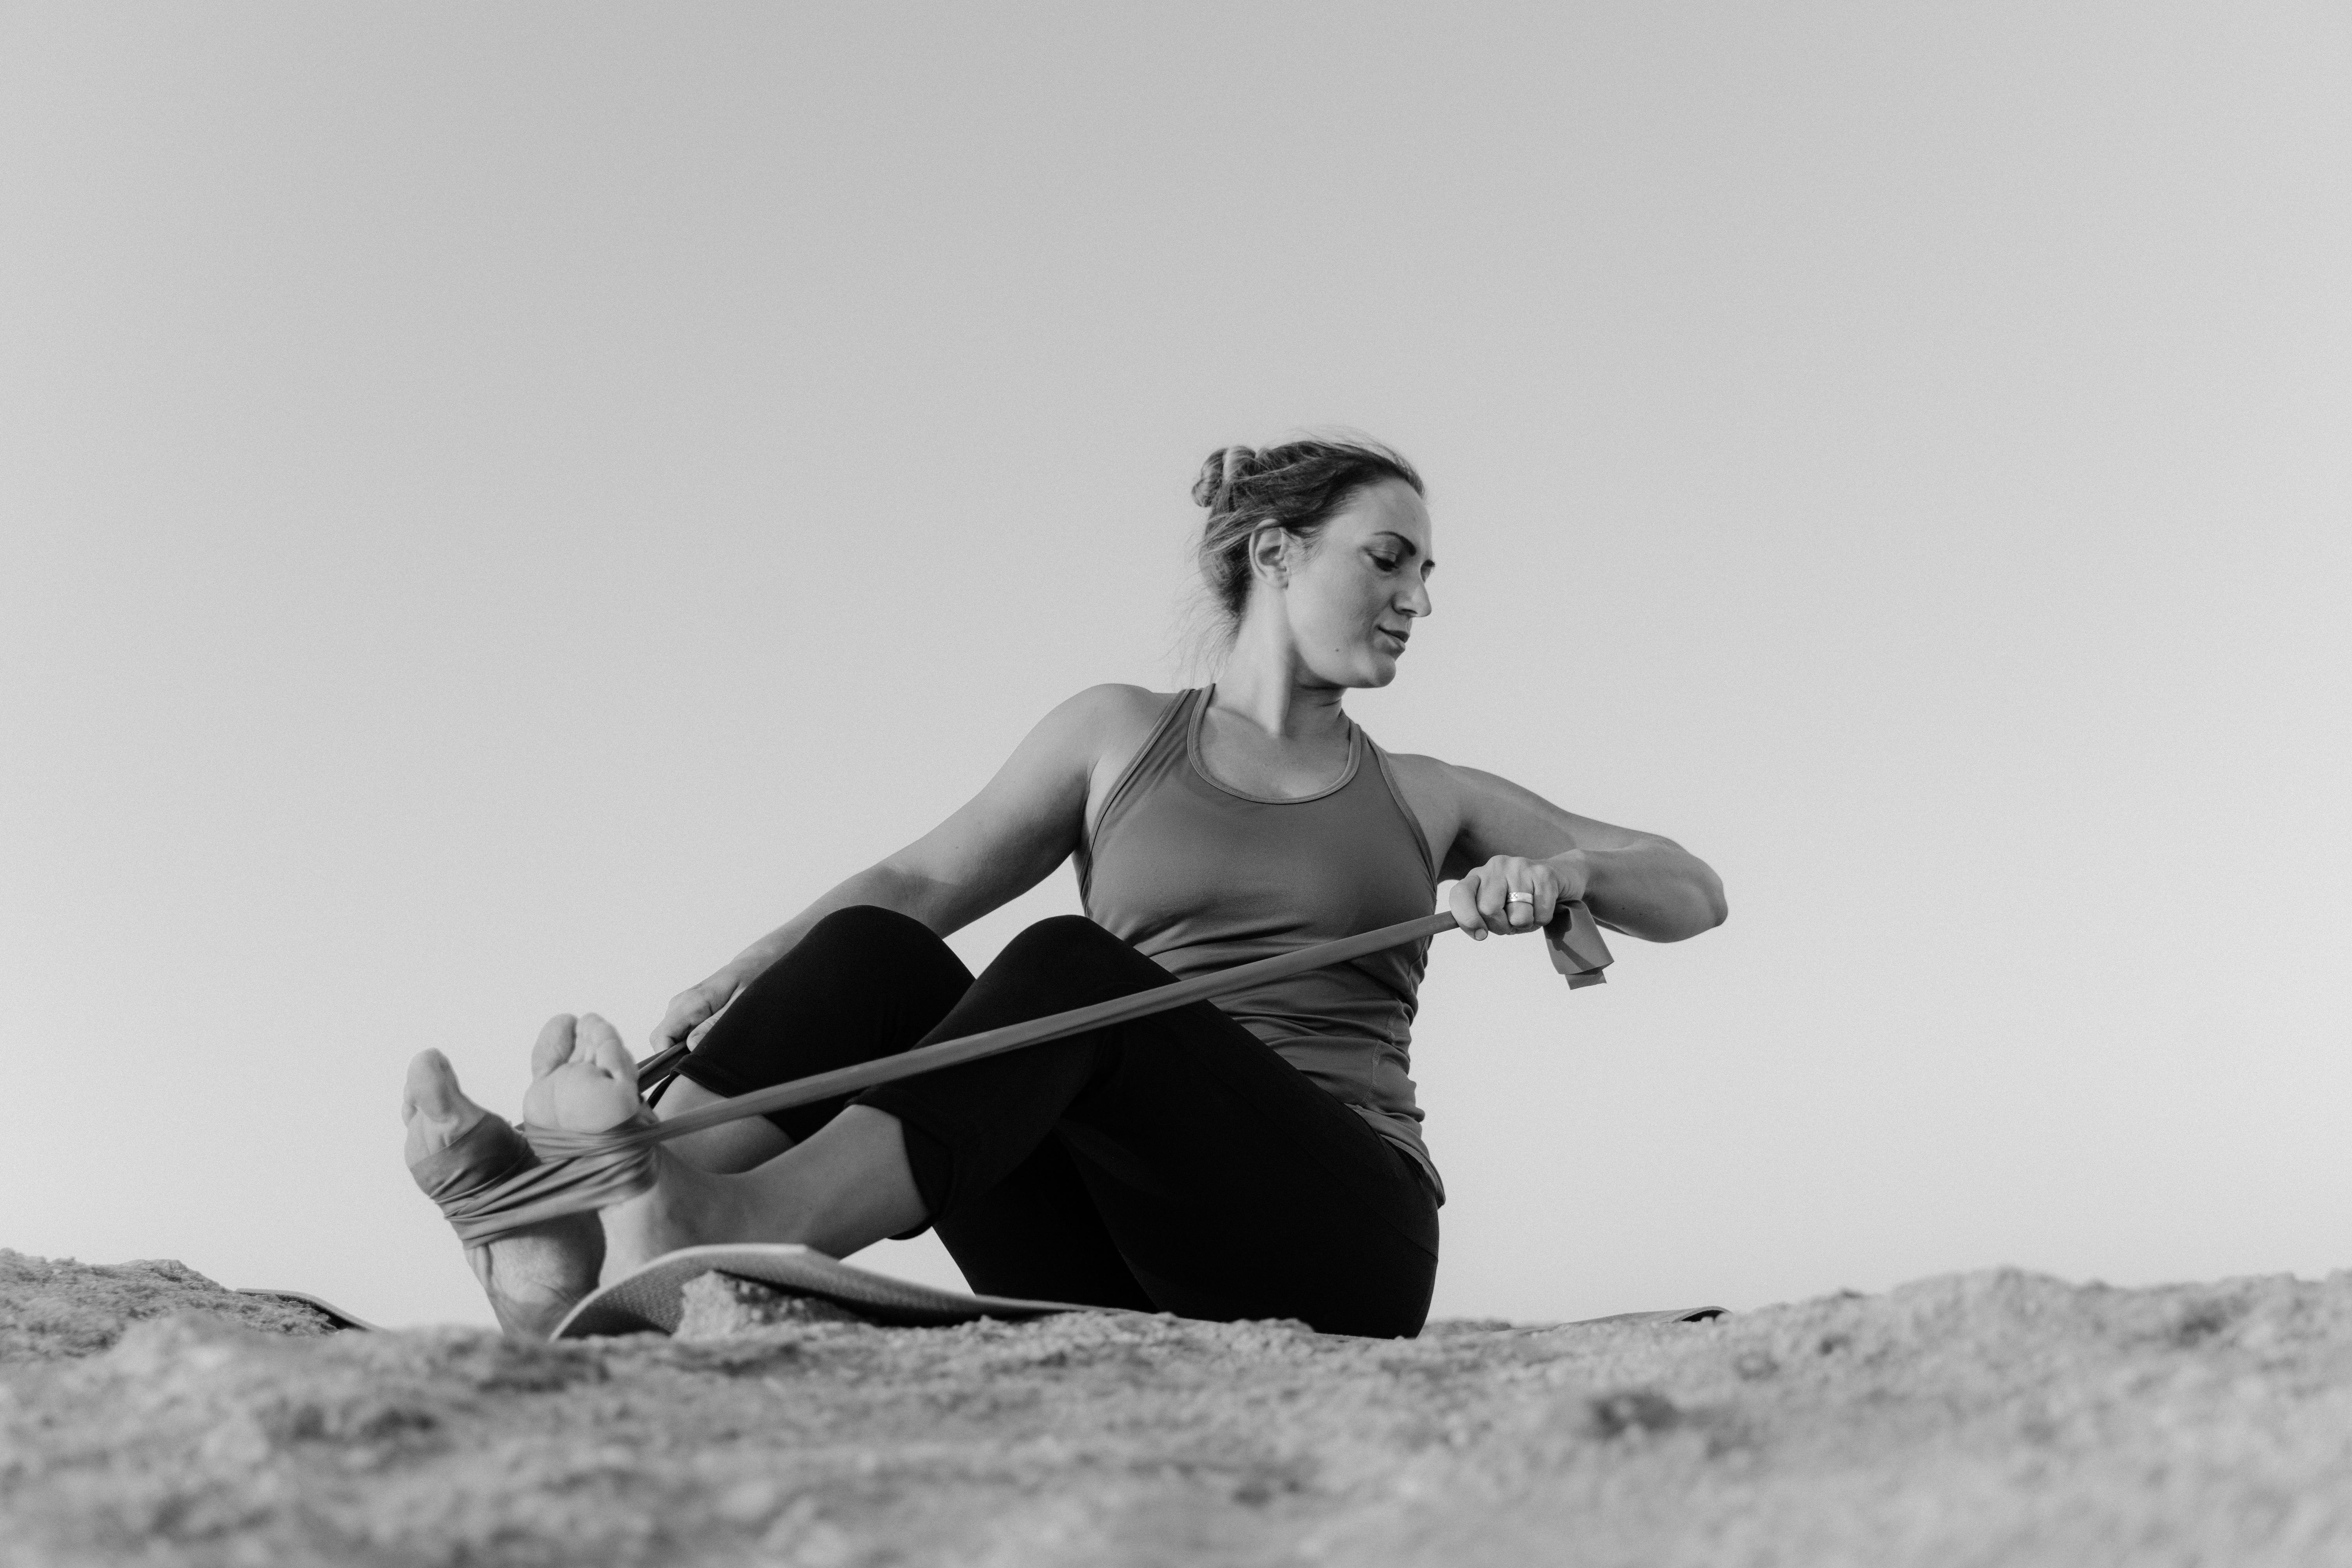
1385, 563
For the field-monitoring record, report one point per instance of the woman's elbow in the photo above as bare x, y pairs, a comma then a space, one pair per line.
1704, 906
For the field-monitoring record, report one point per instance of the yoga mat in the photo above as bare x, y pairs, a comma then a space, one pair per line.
649, 1300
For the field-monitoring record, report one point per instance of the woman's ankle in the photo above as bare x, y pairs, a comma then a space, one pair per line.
675, 1212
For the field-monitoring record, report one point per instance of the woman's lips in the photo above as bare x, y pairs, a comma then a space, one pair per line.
1396, 638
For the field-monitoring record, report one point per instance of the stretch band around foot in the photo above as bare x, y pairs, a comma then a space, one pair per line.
588, 1171
491, 1181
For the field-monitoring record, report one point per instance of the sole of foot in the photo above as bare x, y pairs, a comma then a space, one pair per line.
583, 1080
532, 1277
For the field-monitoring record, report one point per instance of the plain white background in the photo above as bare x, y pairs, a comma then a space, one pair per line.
502, 505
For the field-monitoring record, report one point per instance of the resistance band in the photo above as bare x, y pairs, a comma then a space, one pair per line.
593, 1170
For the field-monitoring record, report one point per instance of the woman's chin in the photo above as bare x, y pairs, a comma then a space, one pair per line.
1368, 667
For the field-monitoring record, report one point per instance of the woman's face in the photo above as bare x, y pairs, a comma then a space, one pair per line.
1351, 597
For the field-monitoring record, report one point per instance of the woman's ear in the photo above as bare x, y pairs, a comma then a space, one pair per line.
1269, 556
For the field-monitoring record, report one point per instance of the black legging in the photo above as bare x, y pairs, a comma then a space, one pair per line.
1173, 1163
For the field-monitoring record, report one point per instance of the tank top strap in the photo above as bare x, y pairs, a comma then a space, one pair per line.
1404, 808
1164, 748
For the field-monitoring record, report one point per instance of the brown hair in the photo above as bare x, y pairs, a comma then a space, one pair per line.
1296, 487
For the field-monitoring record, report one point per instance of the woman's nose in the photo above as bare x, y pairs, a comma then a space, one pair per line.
1414, 601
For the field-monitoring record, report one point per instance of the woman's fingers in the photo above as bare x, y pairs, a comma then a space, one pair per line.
1528, 893
691, 1016
1464, 902
1508, 894
687, 1009
1494, 894
1512, 889
1545, 885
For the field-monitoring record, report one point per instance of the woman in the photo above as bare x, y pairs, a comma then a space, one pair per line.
1260, 1157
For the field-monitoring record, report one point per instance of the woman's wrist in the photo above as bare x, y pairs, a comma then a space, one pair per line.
1657, 890
1574, 869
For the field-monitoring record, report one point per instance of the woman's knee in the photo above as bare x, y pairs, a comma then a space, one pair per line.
1057, 965
1074, 950
863, 926
862, 948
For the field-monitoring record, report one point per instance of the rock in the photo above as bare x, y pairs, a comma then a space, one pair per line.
718, 1306
52, 1309
146, 1416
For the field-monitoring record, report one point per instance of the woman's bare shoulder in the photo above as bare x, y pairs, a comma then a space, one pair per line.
1112, 719
1464, 791
1116, 702
1422, 775
1106, 727
1099, 721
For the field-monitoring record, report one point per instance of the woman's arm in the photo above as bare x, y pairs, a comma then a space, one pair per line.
1511, 840
997, 845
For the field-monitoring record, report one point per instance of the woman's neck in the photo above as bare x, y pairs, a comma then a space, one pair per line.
1264, 681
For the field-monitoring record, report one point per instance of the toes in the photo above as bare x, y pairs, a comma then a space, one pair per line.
435, 1109
555, 1045
431, 1088
600, 1043
594, 1088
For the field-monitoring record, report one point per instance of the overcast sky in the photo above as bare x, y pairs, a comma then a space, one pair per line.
503, 504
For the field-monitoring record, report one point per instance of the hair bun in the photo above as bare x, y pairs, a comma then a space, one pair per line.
1225, 465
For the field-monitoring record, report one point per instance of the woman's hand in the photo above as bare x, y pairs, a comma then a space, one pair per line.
1513, 895
694, 1009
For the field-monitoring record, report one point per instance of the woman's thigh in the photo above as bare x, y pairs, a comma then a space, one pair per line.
1234, 1187
1037, 1233
863, 982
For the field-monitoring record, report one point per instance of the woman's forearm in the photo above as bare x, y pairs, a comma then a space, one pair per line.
1656, 891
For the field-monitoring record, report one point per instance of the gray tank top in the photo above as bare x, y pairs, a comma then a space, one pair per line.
1201, 877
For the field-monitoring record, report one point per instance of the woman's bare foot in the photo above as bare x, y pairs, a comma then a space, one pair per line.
848, 1186
845, 1187
532, 1276
585, 1080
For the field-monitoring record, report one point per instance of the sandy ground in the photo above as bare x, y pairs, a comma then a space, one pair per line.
146, 1416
